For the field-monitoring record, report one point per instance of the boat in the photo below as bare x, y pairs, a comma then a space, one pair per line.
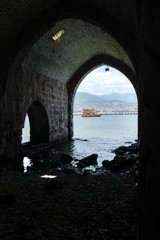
90, 113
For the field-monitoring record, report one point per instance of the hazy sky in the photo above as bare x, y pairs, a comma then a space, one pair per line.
101, 82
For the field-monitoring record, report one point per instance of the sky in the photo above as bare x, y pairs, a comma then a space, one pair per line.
101, 82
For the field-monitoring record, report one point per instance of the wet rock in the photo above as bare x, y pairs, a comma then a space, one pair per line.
65, 158
86, 172
83, 140
72, 171
80, 165
118, 164
106, 164
56, 164
134, 171
54, 170
120, 150
89, 160
55, 155
125, 159
133, 148
101, 171
34, 156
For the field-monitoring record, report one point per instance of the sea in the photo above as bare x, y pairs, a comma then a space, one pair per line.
100, 135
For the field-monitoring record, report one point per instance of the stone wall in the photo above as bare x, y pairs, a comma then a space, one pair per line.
149, 124
25, 87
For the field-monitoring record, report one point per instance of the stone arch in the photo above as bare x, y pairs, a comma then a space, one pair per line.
46, 22
101, 59
48, 19
87, 67
39, 124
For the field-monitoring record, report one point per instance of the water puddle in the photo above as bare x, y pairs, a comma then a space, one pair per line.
27, 162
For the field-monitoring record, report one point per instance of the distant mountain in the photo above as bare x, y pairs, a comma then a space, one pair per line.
87, 99
126, 97
106, 103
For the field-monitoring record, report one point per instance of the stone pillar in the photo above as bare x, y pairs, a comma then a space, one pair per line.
10, 139
25, 88
10, 127
70, 113
149, 171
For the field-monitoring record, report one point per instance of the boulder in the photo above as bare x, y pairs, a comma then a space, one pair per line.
80, 165
133, 148
125, 158
106, 164
120, 150
89, 160
119, 163
86, 172
65, 158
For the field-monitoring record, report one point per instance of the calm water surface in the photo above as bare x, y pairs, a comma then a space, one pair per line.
97, 135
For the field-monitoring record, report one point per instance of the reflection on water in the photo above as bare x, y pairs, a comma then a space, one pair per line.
26, 163
48, 176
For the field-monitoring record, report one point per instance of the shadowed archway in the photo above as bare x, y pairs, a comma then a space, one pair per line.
88, 66
39, 126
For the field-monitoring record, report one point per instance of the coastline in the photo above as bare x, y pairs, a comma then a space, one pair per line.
117, 113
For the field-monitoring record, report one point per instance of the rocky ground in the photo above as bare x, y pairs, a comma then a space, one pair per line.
68, 207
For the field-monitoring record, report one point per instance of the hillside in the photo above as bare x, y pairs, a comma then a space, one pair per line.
85, 99
127, 97
112, 103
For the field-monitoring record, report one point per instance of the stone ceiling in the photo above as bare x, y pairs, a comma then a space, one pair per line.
81, 41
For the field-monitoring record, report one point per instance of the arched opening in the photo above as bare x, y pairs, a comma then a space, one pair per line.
112, 95
38, 120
